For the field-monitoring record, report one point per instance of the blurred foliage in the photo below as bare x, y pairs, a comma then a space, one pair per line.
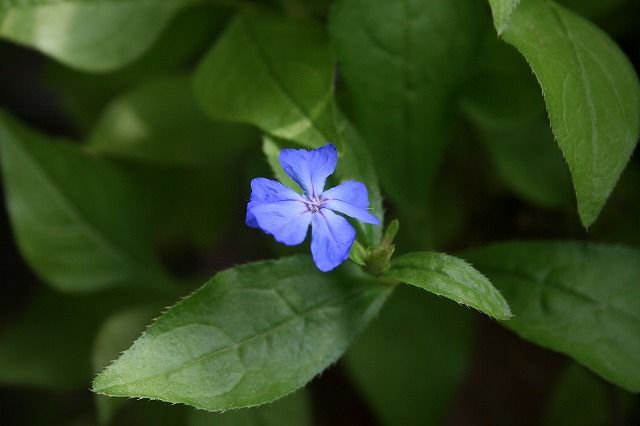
129, 132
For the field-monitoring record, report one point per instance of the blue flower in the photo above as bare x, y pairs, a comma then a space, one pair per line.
286, 215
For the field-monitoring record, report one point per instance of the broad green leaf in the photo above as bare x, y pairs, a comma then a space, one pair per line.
292, 410
591, 91
249, 336
505, 104
114, 336
576, 298
274, 73
159, 123
412, 358
277, 74
449, 277
93, 35
73, 216
403, 63
84, 96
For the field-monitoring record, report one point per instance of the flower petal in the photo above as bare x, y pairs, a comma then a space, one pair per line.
351, 191
269, 190
250, 219
310, 169
331, 239
287, 220
350, 210
350, 198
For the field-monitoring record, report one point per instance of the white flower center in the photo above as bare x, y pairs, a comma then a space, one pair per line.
314, 203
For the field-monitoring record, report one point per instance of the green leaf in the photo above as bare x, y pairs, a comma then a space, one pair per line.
449, 277
84, 96
114, 336
93, 35
277, 74
292, 410
249, 336
403, 63
529, 163
177, 158
576, 298
504, 102
159, 123
591, 92
502, 11
73, 215
410, 361
274, 73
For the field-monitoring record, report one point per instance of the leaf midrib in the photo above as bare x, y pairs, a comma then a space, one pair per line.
69, 209
279, 83
555, 285
294, 318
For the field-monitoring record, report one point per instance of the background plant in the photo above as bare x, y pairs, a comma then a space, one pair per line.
126, 162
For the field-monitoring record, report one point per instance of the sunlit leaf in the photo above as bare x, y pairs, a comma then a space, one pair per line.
251, 335
450, 277
591, 91
74, 216
577, 298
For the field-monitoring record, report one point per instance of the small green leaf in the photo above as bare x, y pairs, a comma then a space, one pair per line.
249, 336
576, 298
410, 361
92, 35
391, 232
73, 215
591, 92
358, 254
292, 410
403, 63
452, 278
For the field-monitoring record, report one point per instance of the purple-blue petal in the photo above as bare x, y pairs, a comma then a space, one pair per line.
268, 190
331, 239
250, 219
310, 169
362, 215
351, 191
350, 198
288, 221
